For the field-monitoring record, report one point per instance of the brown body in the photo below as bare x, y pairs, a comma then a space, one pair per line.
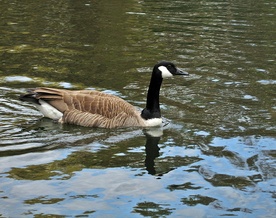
88, 108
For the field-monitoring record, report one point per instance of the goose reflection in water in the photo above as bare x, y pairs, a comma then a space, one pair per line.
152, 149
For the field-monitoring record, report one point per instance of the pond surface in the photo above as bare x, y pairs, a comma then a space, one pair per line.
217, 153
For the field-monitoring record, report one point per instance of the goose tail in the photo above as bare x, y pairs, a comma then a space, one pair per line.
30, 97
43, 106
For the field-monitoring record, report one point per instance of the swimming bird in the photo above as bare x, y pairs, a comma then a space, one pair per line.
97, 109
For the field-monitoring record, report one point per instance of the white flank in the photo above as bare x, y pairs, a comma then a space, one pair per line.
48, 110
154, 122
165, 72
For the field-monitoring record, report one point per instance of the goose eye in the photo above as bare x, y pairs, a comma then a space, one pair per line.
170, 68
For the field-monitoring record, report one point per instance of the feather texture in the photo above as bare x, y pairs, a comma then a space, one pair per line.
88, 108
98, 109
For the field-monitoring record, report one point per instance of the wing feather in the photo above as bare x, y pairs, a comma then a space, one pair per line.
89, 108
95, 120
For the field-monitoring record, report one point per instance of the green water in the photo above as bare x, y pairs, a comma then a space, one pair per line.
216, 155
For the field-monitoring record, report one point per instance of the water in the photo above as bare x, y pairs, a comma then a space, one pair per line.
216, 155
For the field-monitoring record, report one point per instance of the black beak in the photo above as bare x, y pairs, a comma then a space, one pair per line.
181, 72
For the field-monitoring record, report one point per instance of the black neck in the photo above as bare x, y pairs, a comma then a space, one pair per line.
152, 109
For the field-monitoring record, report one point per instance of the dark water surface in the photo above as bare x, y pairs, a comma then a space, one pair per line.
217, 154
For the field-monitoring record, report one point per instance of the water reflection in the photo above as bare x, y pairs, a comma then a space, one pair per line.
216, 156
76, 160
152, 151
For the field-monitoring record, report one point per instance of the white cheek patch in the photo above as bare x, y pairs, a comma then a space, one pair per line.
165, 72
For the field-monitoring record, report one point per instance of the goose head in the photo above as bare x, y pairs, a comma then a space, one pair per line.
165, 69
161, 70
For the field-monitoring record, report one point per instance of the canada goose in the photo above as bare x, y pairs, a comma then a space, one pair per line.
98, 109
